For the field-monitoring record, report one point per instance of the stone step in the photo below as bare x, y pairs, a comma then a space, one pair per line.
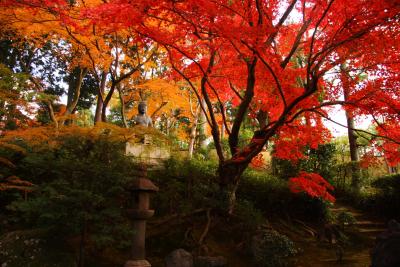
369, 224
337, 210
354, 213
372, 231
357, 215
347, 259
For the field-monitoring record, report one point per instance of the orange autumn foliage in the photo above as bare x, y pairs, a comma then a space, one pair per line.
10, 181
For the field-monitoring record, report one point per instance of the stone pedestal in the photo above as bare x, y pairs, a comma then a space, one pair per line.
146, 152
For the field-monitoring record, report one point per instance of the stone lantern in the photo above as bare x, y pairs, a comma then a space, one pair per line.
140, 188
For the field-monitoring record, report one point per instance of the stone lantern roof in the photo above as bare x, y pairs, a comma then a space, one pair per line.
143, 184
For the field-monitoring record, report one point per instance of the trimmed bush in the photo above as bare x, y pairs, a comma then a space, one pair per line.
272, 249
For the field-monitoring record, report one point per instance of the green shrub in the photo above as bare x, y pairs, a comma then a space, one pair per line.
81, 178
345, 218
250, 215
320, 160
186, 185
268, 193
390, 183
272, 249
387, 198
28, 248
193, 184
343, 177
382, 197
272, 196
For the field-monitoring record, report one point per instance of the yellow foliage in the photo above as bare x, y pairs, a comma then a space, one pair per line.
6, 162
83, 44
33, 136
39, 137
13, 147
162, 97
12, 181
165, 100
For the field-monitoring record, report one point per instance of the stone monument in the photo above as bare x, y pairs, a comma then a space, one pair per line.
141, 118
146, 151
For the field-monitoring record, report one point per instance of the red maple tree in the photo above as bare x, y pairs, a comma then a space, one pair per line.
276, 61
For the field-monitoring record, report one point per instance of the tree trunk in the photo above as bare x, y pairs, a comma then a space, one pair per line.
202, 126
192, 141
229, 175
104, 108
121, 99
355, 170
223, 110
107, 101
100, 94
51, 113
232, 197
74, 89
193, 132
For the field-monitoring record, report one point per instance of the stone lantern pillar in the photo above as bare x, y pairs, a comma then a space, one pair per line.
140, 188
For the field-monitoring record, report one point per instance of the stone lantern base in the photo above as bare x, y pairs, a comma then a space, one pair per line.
137, 263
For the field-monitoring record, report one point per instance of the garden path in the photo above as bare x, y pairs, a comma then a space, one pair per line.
356, 253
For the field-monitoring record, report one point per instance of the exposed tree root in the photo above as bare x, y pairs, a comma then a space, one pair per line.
206, 228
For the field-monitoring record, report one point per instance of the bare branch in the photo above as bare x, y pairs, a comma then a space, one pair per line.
357, 130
